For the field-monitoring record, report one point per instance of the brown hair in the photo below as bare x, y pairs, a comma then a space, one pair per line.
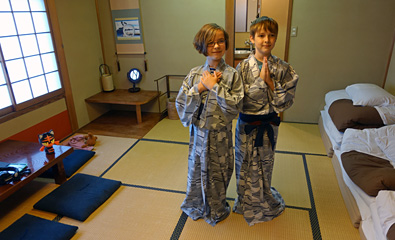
266, 23
205, 35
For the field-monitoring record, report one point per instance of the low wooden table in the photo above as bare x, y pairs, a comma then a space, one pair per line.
12, 151
124, 97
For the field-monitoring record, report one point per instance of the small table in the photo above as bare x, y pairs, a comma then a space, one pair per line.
12, 151
124, 97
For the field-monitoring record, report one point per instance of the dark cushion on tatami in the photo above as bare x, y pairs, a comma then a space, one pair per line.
79, 197
72, 163
35, 228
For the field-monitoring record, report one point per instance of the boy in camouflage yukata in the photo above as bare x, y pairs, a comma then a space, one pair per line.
208, 100
269, 88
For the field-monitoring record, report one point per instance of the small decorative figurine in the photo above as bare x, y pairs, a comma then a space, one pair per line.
47, 140
90, 140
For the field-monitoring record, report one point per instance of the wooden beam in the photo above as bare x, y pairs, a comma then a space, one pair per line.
389, 60
230, 29
287, 36
100, 31
64, 74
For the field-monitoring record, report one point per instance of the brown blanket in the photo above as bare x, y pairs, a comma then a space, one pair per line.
368, 172
345, 115
391, 233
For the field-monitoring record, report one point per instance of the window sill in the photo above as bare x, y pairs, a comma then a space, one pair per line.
12, 115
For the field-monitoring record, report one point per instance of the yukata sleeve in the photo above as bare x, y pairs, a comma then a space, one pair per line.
188, 100
283, 95
229, 93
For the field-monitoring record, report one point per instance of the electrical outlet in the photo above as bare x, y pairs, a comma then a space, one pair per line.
294, 31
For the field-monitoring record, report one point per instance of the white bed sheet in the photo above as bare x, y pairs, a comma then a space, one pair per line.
387, 114
386, 209
335, 136
378, 228
370, 222
364, 141
363, 200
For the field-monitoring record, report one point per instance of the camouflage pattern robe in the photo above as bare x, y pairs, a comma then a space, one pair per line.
211, 157
257, 200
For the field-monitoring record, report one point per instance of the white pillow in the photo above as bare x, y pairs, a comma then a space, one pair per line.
387, 145
335, 95
367, 94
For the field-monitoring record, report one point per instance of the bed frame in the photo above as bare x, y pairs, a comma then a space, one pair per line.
325, 138
349, 201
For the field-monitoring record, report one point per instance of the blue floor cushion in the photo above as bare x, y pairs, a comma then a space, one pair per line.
79, 197
72, 163
35, 228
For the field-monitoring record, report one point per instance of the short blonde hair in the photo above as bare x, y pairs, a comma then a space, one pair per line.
205, 35
266, 23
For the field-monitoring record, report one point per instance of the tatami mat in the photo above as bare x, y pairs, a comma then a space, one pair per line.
299, 137
331, 210
132, 213
290, 180
169, 130
293, 137
153, 171
108, 149
153, 164
23, 200
292, 224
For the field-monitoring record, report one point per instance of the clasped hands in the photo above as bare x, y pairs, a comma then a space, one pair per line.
265, 74
208, 80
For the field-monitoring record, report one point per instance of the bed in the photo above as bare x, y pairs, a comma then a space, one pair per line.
357, 128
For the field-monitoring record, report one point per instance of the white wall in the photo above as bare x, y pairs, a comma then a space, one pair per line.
168, 31
339, 43
81, 41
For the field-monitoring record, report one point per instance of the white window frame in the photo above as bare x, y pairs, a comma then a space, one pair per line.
35, 102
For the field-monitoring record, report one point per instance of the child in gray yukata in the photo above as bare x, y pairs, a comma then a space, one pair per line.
269, 88
208, 100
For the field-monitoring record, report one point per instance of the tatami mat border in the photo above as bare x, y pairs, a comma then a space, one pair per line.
120, 157
300, 122
186, 143
57, 218
163, 141
314, 223
301, 153
179, 227
153, 188
315, 227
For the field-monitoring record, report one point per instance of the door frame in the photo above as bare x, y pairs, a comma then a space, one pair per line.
230, 29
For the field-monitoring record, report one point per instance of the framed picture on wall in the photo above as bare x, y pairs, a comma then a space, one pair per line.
127, 27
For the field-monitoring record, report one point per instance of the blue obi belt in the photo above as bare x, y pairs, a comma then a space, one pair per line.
263, 123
